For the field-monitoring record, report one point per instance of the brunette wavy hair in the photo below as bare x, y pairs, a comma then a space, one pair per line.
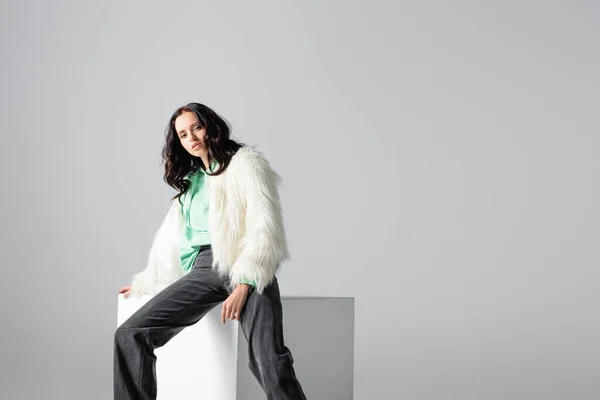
178, 162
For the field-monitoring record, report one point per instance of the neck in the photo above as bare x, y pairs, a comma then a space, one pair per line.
205, 162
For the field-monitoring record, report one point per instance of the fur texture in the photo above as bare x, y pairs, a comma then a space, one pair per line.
245, 223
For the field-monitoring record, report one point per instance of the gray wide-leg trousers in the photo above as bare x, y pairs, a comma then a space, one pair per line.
184, 303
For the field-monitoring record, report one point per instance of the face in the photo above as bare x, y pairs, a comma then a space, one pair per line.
190, 134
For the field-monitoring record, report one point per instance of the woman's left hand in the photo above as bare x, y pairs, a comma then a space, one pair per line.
232, 307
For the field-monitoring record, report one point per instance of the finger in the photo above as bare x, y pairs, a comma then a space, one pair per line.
127, 293
232, 313
223, 314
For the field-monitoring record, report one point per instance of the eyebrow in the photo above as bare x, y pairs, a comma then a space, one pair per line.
195, 123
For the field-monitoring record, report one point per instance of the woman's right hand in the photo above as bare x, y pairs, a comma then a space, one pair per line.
126, 290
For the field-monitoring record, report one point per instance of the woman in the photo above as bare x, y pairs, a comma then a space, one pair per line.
222, 241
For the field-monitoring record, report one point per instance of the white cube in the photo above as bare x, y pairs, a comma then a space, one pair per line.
209, 360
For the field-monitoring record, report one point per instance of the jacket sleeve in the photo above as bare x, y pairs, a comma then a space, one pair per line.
163, 265
264, 245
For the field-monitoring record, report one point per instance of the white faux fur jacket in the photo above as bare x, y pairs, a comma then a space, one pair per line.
245, 223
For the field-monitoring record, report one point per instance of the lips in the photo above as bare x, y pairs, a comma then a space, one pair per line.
196, 146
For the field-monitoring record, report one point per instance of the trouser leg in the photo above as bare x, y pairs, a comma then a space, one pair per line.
179, 305
271, 361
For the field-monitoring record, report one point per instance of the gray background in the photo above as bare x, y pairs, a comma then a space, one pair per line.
440, 166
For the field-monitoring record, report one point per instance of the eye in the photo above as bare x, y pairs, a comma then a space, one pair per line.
197, 128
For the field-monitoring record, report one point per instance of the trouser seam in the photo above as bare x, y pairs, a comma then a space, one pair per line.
174, 317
